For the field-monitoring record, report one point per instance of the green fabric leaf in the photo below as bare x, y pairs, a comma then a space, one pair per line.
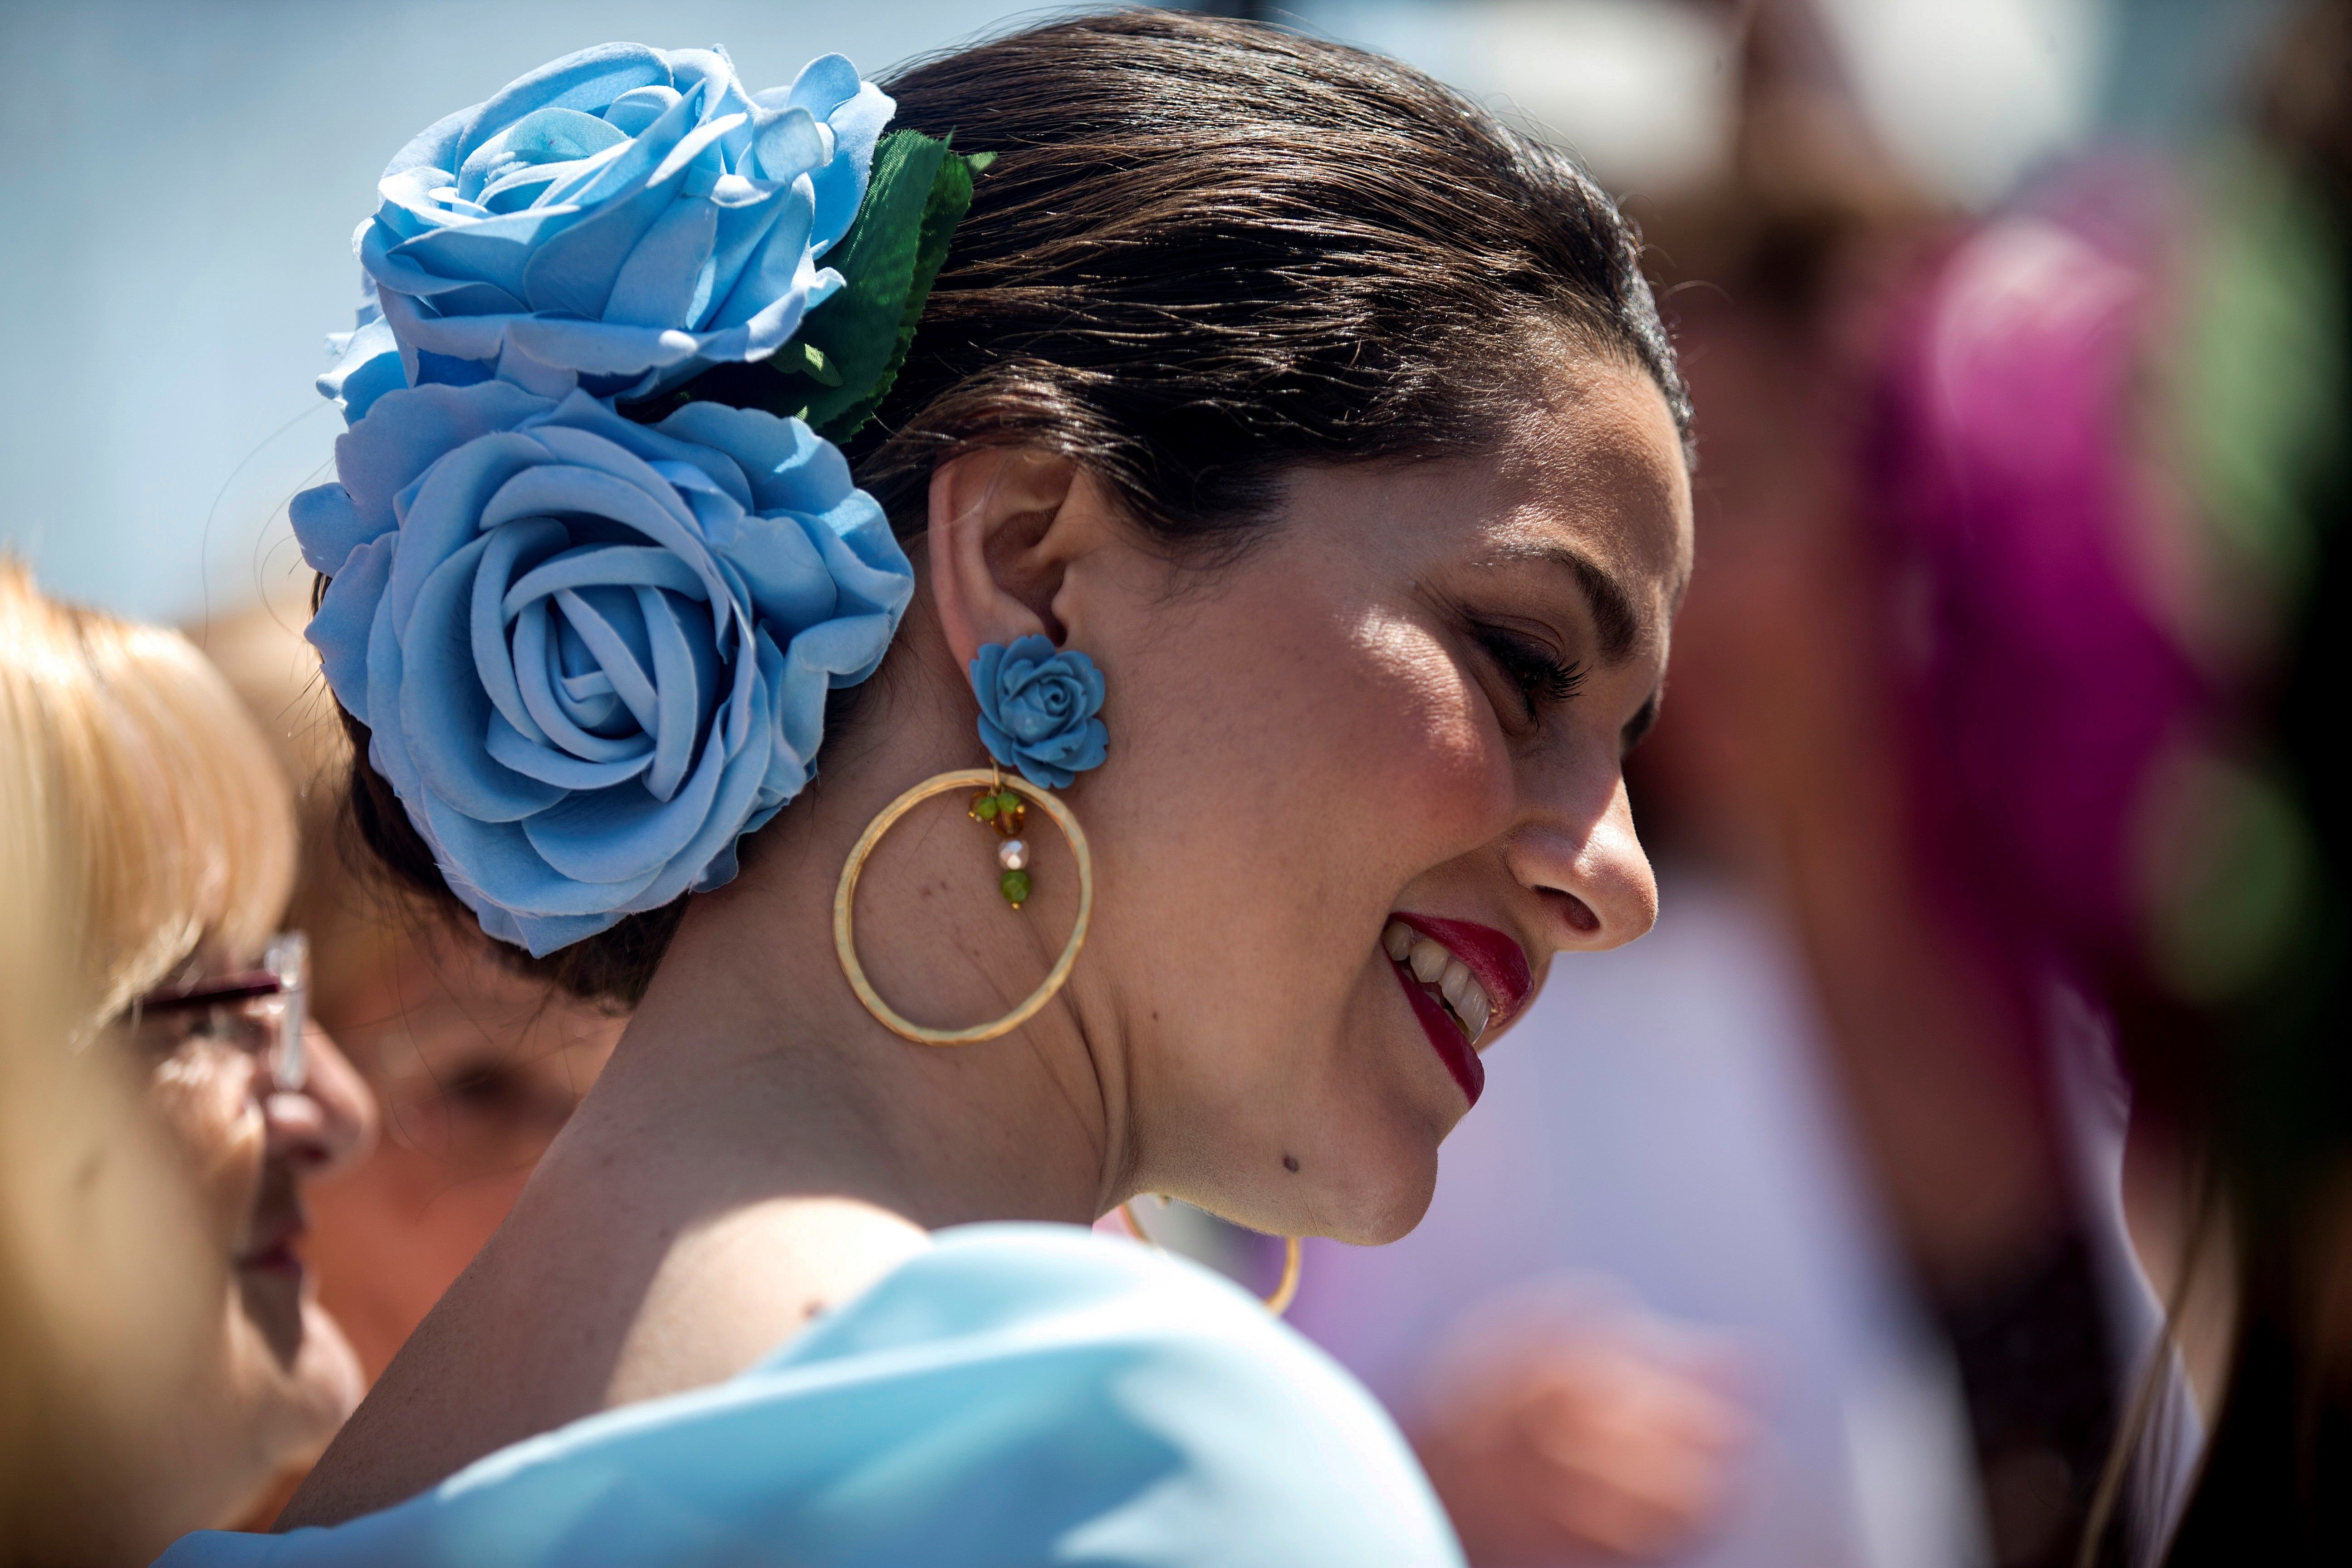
813, 365
857, 329
949, 198
944, 208
846, 354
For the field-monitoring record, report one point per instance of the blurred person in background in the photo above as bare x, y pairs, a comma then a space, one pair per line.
2109, 461
163, 1358
475, 1066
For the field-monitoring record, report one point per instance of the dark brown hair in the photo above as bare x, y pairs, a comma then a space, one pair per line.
1208, 252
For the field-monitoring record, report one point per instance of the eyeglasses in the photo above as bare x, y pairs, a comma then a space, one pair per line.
262, 1011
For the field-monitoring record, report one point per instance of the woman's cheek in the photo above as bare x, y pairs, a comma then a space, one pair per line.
1437, 750
202, 1095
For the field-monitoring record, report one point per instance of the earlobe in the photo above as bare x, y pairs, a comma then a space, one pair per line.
999, 542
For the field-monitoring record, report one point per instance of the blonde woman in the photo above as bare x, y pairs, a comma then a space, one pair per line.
161, 1105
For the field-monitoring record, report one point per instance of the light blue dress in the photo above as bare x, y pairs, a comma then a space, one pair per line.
1020, 1394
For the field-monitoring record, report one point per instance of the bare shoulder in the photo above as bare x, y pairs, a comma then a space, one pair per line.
581, 1303
734, 1288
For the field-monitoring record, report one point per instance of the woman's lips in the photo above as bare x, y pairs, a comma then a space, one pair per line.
1444, 1035
1484, 977
272, 1251
281, 1259
1499, 964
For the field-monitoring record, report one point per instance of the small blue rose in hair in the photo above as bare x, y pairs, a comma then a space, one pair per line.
1037, 709
592, 654
618, 219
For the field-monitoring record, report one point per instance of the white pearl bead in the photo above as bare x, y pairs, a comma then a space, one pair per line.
1012, 855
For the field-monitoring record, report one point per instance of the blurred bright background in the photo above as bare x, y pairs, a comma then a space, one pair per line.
187, 177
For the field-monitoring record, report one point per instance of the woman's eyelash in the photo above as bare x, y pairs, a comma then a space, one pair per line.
1541, 677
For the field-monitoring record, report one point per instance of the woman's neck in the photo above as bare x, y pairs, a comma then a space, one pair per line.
751, 1048
750, 1042
760, 1148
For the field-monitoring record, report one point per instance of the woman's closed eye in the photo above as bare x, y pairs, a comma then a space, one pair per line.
510, 1094
1538, 676
163, 1034
480, 1102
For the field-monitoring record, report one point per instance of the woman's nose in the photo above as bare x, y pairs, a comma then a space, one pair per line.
331, 1121
1591, 877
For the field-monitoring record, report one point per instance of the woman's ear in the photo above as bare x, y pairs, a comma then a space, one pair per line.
1005, 524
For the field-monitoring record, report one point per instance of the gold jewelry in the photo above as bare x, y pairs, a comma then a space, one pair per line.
1285, 1292
844, 945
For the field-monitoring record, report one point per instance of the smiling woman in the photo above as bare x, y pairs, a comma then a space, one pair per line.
1319, 438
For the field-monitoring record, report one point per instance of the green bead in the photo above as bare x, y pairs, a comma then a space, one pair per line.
1008, 801
986, 808
1015, 886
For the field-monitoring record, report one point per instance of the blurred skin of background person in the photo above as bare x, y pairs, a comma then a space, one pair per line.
475, 1068
165, 1360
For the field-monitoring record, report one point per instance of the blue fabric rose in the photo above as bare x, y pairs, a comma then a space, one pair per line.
621, 217
1037, 709
593, 653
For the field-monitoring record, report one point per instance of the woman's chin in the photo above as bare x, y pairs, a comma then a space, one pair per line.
1391, 1221
328, 1382
302, 1380
1384, 1193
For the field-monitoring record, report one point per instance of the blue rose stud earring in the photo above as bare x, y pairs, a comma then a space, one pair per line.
1037, 714
1037, 709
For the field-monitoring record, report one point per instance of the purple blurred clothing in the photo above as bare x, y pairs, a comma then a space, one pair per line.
2020, 536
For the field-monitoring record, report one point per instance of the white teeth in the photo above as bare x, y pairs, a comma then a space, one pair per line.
1428, 961
1474, 1012
1433, 965
1456, 984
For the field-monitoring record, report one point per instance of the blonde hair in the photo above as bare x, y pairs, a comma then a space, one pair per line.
141, 813
163, 805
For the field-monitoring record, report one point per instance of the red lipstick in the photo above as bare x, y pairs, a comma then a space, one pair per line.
1445, 1035
1494, 960
279, 1259
274, 1249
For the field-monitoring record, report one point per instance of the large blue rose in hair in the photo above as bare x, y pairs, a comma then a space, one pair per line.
625, 215
593, 653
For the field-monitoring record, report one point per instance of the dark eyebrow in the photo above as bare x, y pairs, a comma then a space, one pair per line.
1615, 619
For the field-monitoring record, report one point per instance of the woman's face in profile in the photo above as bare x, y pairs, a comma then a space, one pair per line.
250, 1145
1364, 783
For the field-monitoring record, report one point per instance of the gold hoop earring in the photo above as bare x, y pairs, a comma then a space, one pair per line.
1285, 1292
844, 945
